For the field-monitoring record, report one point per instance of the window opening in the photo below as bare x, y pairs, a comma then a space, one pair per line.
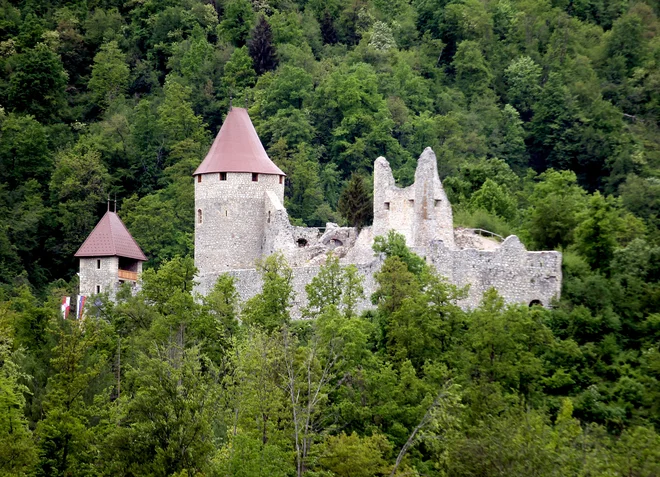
301, 242
269, 216
199, 216
387, 206
437, 203
98, 264
411, 202
223, 176
98, 289
255, 177
199, 178
281, 179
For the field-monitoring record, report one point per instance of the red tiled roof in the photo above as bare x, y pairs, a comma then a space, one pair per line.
237, 148
110, 238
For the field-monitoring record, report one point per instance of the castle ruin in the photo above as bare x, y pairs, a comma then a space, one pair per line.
240, 219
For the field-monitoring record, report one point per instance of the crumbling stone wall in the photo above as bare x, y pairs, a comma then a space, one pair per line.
256, 225
421, 212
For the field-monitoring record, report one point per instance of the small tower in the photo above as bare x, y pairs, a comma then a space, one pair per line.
109, 257
237, 190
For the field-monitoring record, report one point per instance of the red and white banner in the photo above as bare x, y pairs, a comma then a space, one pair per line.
66, 306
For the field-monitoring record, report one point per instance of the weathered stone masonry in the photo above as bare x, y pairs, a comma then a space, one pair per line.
240, 219
257, 225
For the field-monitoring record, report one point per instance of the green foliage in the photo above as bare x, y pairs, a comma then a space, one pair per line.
472, 73
236, 24
334, 286
110, 75
355, 203
544, 119
594, 237
394, 245
18, 451
23, 150
494, 199
167, 412
354, 456
523, 78
239, 72
555, 204
270, 308
261, 47
78, 185
36, 83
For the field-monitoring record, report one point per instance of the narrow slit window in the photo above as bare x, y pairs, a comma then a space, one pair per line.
98, 264
98, 289
199, 178
223, 176
199, 216
281, 179
387, 206
255, 177
269, 216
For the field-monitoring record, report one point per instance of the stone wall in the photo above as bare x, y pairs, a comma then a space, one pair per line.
230, 219
421, 212
106, 277
519, 276
244, 221
92, 277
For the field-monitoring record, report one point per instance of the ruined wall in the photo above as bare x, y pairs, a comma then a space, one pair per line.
255, 224
420, 212
519, 276
234, 213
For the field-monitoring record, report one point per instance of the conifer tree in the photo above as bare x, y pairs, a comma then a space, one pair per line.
355, 203
328, 30
261, 47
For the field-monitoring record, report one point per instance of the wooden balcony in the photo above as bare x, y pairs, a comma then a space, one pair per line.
126, 275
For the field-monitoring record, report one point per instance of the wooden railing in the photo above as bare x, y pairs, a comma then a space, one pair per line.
486, 233
126, 275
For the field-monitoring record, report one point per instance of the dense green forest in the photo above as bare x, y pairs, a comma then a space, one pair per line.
544, 118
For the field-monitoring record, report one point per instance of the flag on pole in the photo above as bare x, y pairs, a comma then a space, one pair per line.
81, 306
66, 306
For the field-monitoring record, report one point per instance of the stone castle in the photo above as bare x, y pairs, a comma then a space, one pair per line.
240, 219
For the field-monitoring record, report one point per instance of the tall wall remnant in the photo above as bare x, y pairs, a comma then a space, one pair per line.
240, 219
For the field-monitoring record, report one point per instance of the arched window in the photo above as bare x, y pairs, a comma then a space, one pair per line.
199, 216
535, 303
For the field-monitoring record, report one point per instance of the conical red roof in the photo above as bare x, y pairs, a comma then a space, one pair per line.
110, 238
237, 148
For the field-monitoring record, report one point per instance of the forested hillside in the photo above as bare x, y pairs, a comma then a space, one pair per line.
544, 118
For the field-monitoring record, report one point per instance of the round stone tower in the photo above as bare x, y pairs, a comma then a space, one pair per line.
235, 186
